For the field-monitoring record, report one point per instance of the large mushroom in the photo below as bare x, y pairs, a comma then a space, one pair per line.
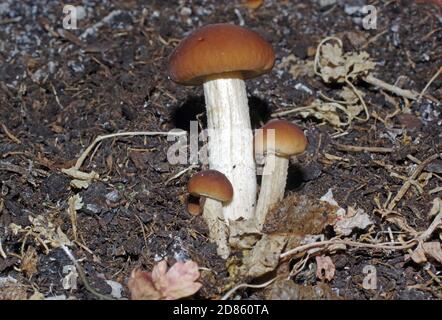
221, 57
217, 191
276, 142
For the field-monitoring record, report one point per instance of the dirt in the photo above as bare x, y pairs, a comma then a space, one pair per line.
60, 90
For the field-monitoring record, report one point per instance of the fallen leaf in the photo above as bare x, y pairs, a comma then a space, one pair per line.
433, 250
264, 257
43, 231
29, 262
162, 284
328, 198
337, 67
436, 208
116, 288
80, 184
354, 219
325, 269
328, 112
69, 282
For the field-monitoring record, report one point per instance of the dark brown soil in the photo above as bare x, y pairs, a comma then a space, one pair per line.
58, 91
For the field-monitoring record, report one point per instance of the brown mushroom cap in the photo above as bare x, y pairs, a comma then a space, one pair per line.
220, 50
289, 138
211, 184
194, 208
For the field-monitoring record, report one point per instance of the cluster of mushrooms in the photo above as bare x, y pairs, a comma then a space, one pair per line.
221, 57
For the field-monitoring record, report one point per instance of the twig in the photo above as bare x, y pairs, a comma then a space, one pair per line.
384, 245
349, 148
412, 95
2, 252
283, 113
179, 174
86, 152
6, 166
93, 29
408, 183
435, 190
10, 135
56, 97
82, 275
361, 99
245, 285
439, 71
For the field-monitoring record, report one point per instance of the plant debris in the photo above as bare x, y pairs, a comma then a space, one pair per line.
162, 284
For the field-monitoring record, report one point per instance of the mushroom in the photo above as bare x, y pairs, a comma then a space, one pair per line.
288, 140
194, 208
215, 190
221, 57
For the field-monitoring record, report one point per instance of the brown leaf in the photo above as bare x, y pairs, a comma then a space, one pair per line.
29, 262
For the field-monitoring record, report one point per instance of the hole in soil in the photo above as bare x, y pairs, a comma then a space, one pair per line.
259, 112
295, 178
195, 105
188, 111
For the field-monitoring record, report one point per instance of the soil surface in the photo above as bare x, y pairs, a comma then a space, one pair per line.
60, 89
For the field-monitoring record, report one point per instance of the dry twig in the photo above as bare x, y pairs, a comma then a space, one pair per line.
409, 183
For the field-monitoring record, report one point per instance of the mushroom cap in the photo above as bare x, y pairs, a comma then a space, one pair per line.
211, 184
194, 208
289, 138
218, 51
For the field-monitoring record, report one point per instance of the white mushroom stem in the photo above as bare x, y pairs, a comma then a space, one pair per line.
274, 178
231, 143
218, 232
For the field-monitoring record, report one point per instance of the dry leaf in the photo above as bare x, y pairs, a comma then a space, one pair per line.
325, 269
29, 262
338, 67
70, 280
43, 231
326, 111
264, 257
298, 67
354, 219
433, 250
418, 254
80, 184
162, 284
349, 95
436, 208
328, 198
81, 180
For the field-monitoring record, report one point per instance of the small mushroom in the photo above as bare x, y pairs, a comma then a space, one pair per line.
215, 190
288, 140
220, 57
194, 208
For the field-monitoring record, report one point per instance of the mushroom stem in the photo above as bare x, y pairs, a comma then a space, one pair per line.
212, 214
231, 143
273, 184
